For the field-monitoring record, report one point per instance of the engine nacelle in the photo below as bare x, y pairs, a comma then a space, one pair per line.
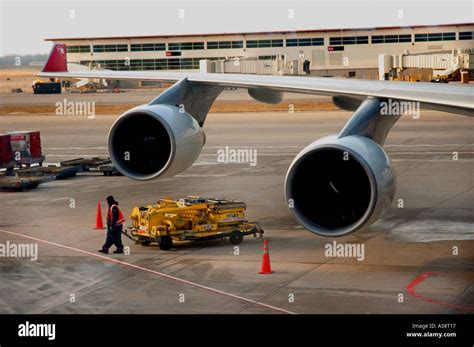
336, 186
150, 141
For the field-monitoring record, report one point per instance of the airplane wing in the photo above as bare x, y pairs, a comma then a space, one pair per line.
449, 98
334, 186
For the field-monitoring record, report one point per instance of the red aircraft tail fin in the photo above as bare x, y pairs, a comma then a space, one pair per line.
57, 60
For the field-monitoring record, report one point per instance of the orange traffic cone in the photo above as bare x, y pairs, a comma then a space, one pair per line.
266, 268
98, 219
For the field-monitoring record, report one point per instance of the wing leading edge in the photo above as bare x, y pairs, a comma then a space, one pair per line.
449, 98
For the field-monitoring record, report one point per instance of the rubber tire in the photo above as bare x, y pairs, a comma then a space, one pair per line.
145, 242
166, 243
236, 237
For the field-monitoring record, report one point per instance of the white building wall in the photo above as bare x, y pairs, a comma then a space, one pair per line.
357, 56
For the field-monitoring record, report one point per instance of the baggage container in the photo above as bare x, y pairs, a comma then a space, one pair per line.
6, 154
26, 147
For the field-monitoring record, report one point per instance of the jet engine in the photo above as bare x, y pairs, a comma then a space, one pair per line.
337, 185
152, 141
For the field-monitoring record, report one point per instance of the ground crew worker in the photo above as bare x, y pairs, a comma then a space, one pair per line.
115, 222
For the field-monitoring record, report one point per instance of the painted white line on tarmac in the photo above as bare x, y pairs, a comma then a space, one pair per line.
161, 274
74, 148
303, 145
247, 146
436, 160
280, 147
260, 154
203, 175
75, 155
423, 152
431, 145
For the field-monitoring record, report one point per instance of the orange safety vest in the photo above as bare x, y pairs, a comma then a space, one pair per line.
120, 220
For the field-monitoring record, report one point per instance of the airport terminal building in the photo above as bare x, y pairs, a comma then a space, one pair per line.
326, 52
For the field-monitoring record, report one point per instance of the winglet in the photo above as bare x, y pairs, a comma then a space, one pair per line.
57, 60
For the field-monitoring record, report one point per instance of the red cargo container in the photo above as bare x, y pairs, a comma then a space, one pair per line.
35, 144
6, 154
26, 147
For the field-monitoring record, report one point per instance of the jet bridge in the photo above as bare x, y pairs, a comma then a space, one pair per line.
443, 63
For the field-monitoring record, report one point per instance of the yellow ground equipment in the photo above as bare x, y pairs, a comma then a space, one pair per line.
191, 218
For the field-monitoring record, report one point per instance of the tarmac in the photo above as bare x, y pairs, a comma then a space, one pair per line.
140, 96
419, 257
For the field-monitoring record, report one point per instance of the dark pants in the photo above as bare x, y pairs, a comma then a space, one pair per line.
114, 237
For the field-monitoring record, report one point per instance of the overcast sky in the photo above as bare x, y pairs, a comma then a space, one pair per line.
26, 23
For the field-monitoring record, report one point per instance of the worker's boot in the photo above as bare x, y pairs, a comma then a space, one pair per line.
105, 251
118, 251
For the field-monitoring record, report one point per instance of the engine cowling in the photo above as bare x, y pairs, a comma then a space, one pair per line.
336, 186
152, 141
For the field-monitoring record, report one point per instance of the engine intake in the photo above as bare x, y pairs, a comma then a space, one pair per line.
154, 140
336, 186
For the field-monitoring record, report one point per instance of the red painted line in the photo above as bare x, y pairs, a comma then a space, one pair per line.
420, 278
209, 289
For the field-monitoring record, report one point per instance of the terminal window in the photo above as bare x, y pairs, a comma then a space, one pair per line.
110, 48
184, 46
466, 35
79, 49
149, 64
225, 44
264, 43
391, 38
142, 47
267, 57
315, 41
435, 37
348, 40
